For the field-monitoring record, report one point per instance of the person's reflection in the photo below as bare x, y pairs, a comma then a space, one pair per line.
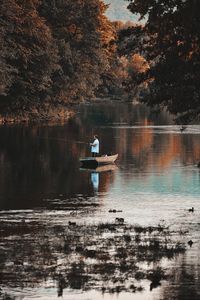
95, 180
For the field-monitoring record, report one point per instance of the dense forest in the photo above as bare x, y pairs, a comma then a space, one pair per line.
56, 53
51, 52
171, 45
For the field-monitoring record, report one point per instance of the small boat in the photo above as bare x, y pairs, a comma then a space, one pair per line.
98, 160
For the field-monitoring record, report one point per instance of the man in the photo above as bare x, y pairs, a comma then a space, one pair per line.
95, 146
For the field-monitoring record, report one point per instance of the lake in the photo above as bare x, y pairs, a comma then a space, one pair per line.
42, 188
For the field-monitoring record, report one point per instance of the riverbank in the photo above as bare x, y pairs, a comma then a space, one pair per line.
46, 113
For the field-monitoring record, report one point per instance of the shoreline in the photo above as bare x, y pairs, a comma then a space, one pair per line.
48, 112
45, 114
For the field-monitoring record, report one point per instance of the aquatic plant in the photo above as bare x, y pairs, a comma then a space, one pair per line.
106, 256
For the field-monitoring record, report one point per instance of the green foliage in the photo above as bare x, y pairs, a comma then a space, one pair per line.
173, 51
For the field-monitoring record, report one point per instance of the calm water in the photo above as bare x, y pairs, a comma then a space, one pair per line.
155, 180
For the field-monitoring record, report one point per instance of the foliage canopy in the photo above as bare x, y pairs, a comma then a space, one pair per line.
51, 51
173, 52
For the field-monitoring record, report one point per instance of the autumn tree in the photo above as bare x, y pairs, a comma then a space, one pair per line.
27, 54
130, 38
82, 34
173, 52
52, 51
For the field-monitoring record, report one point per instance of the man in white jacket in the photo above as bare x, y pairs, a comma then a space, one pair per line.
95, 146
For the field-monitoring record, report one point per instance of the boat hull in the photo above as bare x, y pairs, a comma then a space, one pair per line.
97, 161
100, 169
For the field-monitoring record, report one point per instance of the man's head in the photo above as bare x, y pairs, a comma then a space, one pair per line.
95, 136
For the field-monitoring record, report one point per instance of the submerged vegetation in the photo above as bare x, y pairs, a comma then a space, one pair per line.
108, 257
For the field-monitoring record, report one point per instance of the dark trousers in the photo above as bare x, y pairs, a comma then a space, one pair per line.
94, 154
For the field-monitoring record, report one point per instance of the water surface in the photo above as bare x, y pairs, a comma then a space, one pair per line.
155, 181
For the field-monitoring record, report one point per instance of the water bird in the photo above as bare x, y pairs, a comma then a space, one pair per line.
114, 211
191, 209
119, 220
72, 223
183, 128
154, 284
190, 242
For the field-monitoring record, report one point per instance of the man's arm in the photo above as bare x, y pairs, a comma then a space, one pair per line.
93, 144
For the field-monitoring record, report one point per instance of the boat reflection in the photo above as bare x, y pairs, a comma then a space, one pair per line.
100, 169
94, 174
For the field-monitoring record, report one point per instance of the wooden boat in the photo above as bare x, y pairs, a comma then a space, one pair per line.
99, 160
100, 169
